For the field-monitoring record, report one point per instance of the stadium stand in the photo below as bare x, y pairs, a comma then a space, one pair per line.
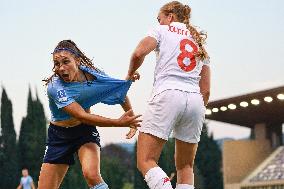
256, 163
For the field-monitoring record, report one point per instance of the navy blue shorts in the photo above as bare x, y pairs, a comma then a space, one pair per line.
63, 142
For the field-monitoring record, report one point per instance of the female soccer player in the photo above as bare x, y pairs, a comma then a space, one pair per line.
75, 86
180, 92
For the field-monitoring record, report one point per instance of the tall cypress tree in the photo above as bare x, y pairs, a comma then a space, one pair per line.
208, 161
74, 177
8, 155
198, 179
41, 131
32, 137
116, 166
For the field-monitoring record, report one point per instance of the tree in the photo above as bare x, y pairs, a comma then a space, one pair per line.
113, 172
32, 137
198, 179
8, 147
116, 166
74, 177
208, 161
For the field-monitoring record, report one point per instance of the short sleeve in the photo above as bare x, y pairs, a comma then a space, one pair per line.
30, 179
59, 96
206, 62
155, 33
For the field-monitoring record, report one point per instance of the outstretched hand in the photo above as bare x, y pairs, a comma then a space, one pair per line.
134, 77
129, 120
131, 132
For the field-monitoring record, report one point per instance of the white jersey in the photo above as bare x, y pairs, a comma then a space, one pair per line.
177, 67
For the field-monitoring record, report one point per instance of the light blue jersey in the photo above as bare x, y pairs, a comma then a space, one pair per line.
26, 182
103, 89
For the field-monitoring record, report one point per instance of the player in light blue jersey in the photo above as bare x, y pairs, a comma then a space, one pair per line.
26, 180
74, 87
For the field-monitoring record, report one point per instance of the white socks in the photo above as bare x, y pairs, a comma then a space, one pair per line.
184, 186
156, 178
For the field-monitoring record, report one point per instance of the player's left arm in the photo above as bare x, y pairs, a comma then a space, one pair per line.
127, 106
144, 47
32, 185
204, 83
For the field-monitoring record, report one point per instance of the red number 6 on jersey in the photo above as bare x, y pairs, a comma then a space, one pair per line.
186, 54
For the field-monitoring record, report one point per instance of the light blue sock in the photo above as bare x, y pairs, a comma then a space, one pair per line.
100, 186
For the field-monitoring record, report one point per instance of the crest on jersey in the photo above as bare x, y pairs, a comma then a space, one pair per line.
61, 95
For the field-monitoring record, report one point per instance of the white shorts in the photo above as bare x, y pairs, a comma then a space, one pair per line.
177, 111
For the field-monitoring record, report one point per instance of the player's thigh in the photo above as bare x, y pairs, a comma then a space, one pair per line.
189, 127
51, 175
89, 156
162, 113
149, 147
185, 154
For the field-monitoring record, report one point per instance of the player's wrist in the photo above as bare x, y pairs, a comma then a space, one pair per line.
114, 122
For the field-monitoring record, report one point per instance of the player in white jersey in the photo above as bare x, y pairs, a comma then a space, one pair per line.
180, 92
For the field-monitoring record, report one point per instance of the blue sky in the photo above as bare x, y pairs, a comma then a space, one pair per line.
245, 42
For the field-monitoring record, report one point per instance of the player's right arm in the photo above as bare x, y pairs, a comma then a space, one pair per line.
75, 110
204, 83
144, 47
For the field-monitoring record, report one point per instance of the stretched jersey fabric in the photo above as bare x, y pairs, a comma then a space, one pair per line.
103, 89
176, 67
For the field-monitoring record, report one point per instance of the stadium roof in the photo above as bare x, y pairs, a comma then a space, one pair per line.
247, 110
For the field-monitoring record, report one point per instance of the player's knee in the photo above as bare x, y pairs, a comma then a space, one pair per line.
92, 177
140, 163
144, 162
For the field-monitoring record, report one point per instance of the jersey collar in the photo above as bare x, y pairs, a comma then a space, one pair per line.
178, 24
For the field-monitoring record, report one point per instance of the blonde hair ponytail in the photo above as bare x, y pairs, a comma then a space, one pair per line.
182, 14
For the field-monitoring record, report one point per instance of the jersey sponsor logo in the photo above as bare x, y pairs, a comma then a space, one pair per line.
61, 94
